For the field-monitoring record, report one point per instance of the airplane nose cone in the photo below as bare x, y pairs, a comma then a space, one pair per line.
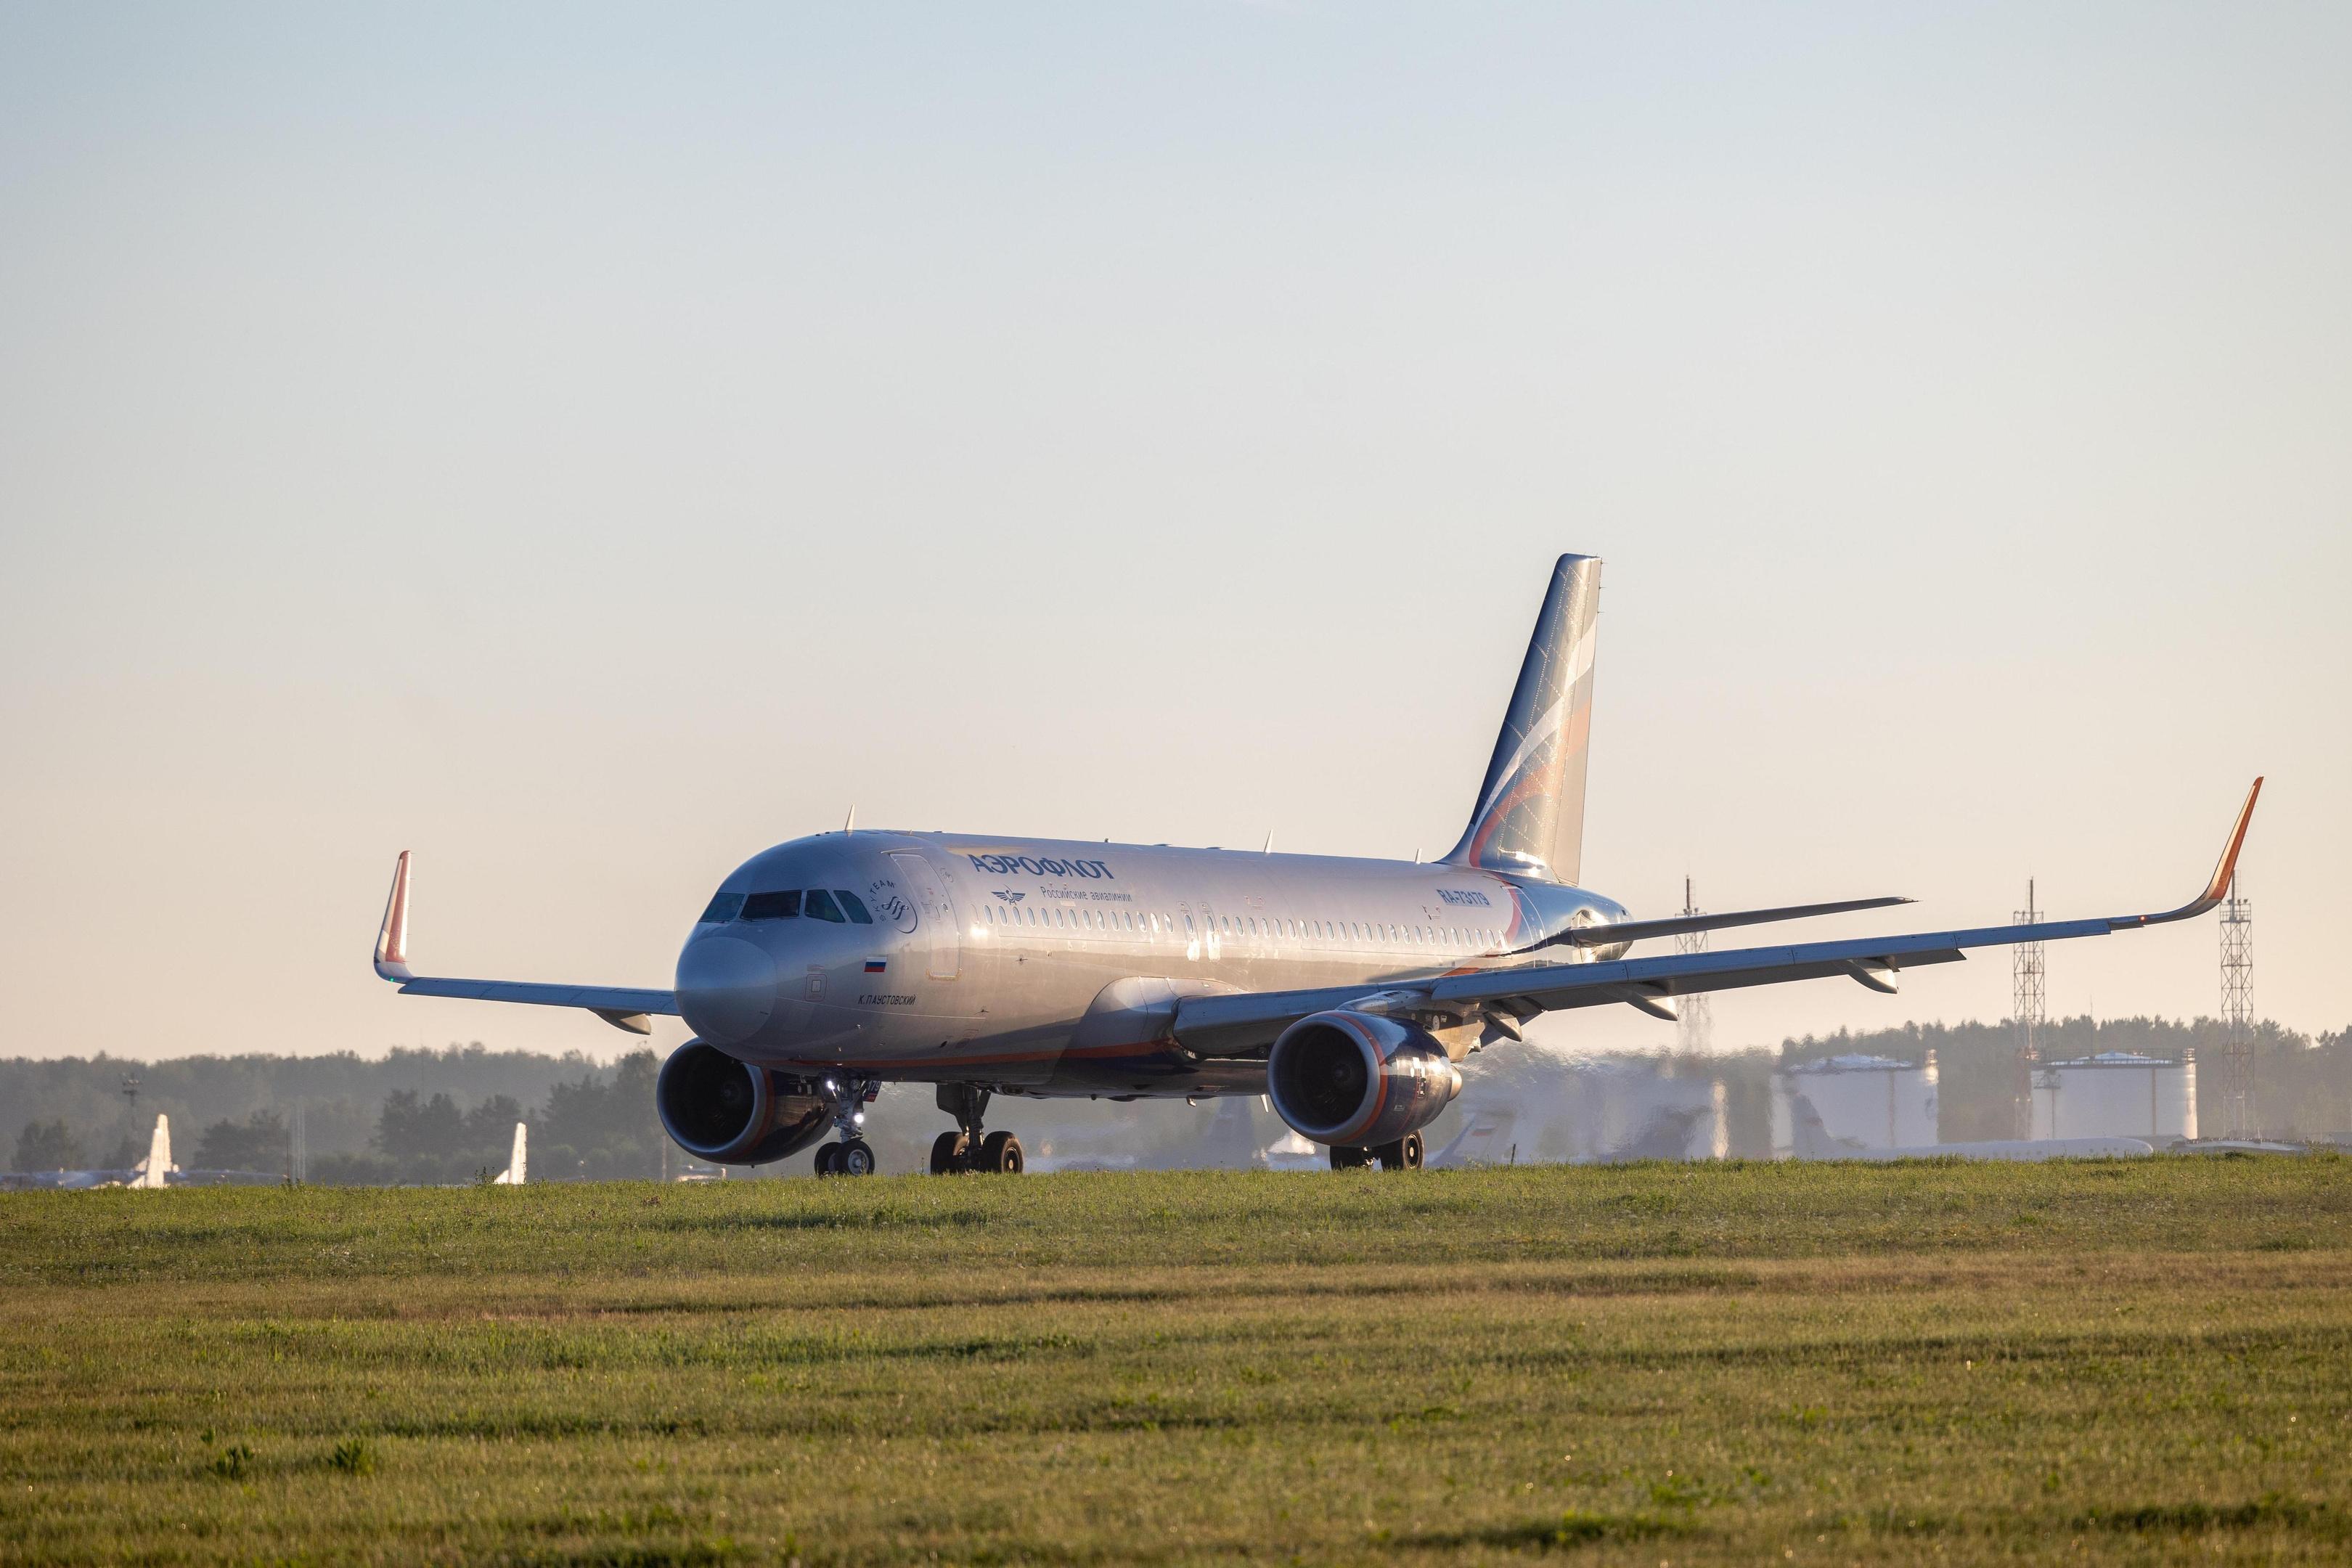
725, 988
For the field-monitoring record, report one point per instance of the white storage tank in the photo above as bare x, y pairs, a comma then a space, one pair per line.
1856, 1103
2116, 1094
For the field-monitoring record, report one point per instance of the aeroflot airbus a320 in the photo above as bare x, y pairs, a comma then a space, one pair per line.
1348, 991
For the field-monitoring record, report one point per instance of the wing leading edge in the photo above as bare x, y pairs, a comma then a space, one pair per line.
626, 1007
1246, 1024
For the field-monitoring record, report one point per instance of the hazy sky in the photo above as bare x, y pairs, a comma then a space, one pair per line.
588, 446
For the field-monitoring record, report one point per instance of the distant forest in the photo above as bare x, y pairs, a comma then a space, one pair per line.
417, 1116
426, 1116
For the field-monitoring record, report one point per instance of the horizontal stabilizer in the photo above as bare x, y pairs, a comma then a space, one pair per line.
1678, 925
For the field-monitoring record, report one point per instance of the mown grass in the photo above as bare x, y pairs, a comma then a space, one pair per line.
2141, 1361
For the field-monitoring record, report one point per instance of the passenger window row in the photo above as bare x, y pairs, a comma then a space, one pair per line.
840, 906
1360, 933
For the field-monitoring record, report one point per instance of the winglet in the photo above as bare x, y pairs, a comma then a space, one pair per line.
2228, 866
392, 941
2216, 889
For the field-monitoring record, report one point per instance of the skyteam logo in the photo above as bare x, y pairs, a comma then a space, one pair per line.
889, 904
1005, 865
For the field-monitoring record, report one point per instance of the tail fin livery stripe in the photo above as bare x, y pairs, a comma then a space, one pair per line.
392, 938
1531, 814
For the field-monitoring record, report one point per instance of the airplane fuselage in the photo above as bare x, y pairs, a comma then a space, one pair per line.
1052, 967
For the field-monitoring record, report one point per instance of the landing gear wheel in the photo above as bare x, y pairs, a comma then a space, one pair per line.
855, 1158
1000, 1153
1404, 1155
828, 1158
1345, 1158
950, 1154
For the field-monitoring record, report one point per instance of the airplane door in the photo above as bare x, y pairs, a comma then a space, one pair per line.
938, 915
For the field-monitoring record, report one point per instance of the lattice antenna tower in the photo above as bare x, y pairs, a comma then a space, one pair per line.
2238, 1014
1695, 1026
2029, 1001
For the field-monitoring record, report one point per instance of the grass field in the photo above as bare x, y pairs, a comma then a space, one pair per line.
2141, 1361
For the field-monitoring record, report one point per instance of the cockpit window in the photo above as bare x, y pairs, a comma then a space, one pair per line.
723, 908
855, 905
781, 906
821, 907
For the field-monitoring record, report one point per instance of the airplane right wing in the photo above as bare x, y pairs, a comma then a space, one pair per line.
629, 1008
1246, 1024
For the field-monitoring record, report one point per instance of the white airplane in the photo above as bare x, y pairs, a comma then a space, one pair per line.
1350, 991
512, 1175
1484, 1140
1813, 1141
152, 1171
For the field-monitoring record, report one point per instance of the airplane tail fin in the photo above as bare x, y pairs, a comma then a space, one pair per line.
512, 1176
1484, 1140
159, 1156
1531, 814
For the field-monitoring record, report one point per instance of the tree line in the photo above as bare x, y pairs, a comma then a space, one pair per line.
599, 1125
442, 1116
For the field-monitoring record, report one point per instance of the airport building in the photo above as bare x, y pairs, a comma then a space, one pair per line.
1856, 1102
2116, 1094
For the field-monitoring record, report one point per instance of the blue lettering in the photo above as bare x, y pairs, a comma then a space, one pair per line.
1005, 865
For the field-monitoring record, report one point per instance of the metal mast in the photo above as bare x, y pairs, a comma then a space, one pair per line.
2238, 1015
2028, 1001
1695, 1028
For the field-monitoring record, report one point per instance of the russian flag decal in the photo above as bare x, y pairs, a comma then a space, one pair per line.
878, 966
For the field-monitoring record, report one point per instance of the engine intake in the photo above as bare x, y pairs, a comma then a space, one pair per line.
730, 1112
1359, 1080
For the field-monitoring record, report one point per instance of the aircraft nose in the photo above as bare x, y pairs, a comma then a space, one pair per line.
725, 988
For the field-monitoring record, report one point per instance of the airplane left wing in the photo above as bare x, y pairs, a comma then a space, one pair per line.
623, 1006
1246, 1024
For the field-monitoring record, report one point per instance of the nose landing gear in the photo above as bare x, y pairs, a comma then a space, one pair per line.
854, 1157
846, 1100
965, 1149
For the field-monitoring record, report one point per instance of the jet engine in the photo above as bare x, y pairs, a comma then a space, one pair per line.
730, 1112
1359, 1080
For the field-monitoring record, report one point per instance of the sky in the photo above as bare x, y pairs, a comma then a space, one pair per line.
586, 445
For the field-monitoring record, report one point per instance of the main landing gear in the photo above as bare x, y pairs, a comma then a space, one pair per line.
1404, 1155
852, 1156
965, 1149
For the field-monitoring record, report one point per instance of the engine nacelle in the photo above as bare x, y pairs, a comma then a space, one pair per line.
1359, 1080
730, 1112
